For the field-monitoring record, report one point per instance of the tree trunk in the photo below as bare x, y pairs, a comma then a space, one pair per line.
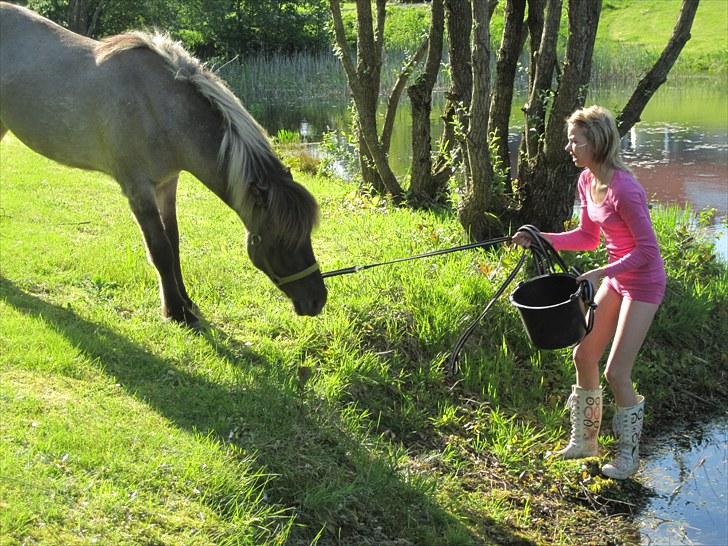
91, 29
500, 109
458, 20
78, 16
551, 179
83, 15
399, 87
658, 74
475, 212
423, 191
364, 83
540, 91
535, 24
371, 181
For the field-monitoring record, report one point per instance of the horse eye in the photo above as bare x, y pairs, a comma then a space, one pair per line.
255, 239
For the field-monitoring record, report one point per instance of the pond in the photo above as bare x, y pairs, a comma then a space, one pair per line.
687, 472
679, 150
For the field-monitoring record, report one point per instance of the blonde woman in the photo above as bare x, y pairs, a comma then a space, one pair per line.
631, 287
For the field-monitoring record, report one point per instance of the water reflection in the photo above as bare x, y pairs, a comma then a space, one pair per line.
679, 151
688, 472
676, 162
680, 164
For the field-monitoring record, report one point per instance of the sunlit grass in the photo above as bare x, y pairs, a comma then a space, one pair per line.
270, 428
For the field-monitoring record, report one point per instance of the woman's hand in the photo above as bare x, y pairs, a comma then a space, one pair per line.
594, 276
522, 239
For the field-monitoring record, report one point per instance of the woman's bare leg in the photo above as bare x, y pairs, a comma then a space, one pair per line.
635, 318
589, 352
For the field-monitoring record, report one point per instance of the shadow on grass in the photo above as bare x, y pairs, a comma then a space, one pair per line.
322, 473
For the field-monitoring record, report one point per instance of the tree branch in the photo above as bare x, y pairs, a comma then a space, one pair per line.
379, 32
342, 48
95, 18
652, 81
545, 61
571, 93
396, 93
505, 75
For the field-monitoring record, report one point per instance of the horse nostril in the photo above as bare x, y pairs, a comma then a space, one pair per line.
309, 308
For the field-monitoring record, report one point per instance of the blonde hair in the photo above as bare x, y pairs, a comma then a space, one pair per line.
600, 131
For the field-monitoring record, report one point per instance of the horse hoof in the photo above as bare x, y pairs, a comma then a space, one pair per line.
187, 318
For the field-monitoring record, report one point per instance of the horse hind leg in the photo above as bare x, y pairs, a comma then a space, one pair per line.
159, 248
166, 199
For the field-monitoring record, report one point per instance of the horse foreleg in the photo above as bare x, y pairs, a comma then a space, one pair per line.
159, 249
166, 199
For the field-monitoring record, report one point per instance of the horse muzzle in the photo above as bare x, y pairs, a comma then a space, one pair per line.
314, 299
310, 307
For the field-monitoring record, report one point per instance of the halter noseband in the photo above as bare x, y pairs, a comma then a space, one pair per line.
280, 281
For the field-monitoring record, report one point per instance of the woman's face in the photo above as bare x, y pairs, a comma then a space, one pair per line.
578, 147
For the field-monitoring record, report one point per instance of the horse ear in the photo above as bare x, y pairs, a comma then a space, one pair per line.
259, 193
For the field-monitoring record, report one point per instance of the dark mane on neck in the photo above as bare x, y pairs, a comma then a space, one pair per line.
292, 210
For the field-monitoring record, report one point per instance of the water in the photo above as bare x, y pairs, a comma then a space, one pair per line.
688, 474
679, 151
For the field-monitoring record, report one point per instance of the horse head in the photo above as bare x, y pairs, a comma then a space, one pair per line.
280, 222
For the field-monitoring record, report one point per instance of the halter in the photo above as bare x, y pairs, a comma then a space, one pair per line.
280, 281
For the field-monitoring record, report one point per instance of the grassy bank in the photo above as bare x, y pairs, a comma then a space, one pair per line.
269, 428
630, 37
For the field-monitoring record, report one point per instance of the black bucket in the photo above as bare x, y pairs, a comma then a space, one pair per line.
553, 309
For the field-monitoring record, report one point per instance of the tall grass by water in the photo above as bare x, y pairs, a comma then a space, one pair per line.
623, 52
289, 78
268, 428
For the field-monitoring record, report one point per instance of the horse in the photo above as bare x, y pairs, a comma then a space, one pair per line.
140, 108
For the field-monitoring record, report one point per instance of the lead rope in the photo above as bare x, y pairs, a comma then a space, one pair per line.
541, 250
544, 255
357, 268
452, 363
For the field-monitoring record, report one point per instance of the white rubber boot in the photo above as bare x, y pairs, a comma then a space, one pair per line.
585, 408
627, 426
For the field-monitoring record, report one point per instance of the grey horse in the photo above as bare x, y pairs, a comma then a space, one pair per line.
140, 108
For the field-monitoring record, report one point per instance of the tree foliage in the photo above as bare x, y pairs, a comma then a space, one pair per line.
223, 28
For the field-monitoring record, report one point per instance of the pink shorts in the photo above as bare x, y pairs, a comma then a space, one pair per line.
652, 293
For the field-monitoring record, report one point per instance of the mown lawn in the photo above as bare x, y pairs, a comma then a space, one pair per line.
268, 428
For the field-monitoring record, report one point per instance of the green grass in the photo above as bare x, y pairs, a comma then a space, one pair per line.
268, 428
648, 24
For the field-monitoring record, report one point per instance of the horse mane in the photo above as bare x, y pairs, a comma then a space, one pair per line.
245, 146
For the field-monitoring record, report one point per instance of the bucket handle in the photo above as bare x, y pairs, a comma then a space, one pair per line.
585, 291
546, 258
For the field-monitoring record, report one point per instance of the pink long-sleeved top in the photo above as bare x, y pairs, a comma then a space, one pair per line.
624, 218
